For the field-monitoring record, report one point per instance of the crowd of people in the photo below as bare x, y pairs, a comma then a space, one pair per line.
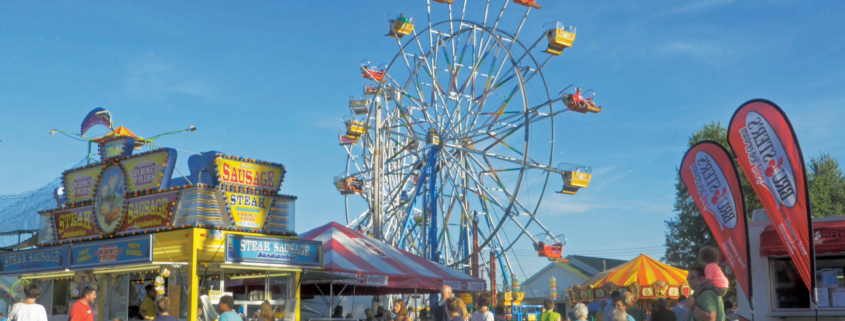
706, 304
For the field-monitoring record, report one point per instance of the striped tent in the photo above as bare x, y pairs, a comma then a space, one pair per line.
377, 268
647, 278
643, 270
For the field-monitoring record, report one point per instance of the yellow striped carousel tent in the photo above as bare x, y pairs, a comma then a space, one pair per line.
646, 278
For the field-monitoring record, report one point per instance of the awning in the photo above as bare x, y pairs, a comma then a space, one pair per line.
377, 268
829, 236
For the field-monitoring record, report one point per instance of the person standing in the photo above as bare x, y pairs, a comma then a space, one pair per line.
549, 313
438, 311
29, 310
581, 311
682, 312
380, 315
607, 312
453, 309
631, 307
619, 314
600, 314
619, 305
81, 311
226, 306
338, 312
368, 315
148, 307
163, 310
483, 313
400, 310
662, 313
500, 313
708, 305
266, 312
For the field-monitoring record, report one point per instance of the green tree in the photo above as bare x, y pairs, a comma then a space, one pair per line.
827, 186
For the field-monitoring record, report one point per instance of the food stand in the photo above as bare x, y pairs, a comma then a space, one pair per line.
646, 278
126, 222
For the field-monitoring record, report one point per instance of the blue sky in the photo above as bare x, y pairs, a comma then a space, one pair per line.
270, 80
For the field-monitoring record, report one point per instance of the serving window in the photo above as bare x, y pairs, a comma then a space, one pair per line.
251, 288
789, 291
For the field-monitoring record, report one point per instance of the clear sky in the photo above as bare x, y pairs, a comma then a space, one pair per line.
270, 80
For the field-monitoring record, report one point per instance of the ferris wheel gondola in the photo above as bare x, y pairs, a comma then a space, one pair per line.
456, 147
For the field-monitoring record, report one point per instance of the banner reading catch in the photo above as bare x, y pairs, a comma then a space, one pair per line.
713, 183
768, 152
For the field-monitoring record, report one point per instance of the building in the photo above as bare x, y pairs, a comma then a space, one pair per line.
779, 293
578, 270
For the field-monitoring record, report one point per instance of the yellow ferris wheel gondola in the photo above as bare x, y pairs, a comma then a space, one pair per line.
575, 177
401, 27
559, 37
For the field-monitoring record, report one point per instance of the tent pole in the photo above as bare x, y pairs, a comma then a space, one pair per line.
331, 294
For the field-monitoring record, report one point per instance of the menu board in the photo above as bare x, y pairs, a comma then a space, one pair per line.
150, 171
248, 174
248, 210
149, 212
74, 223
79, 183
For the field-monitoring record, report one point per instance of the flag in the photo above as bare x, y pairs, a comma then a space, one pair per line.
98, 116
712, 181
768, 152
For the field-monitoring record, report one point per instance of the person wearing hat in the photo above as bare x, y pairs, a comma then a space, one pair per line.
148, 307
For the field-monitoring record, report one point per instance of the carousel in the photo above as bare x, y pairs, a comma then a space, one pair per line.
646, 278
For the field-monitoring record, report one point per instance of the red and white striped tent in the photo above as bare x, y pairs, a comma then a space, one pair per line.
376, 268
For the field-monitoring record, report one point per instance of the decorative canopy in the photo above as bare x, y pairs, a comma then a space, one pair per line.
643, 270
645, 277
379, 268
118, 132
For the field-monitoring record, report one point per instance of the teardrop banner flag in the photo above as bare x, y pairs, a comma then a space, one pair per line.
713, 183
768, 152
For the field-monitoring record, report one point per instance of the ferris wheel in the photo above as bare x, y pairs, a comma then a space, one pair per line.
451, 145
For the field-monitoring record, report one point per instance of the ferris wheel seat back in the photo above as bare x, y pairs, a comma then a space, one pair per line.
552, 252
344, 140
358, 106
349, 185
399, 28
528, 3
355, 128
445, 1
